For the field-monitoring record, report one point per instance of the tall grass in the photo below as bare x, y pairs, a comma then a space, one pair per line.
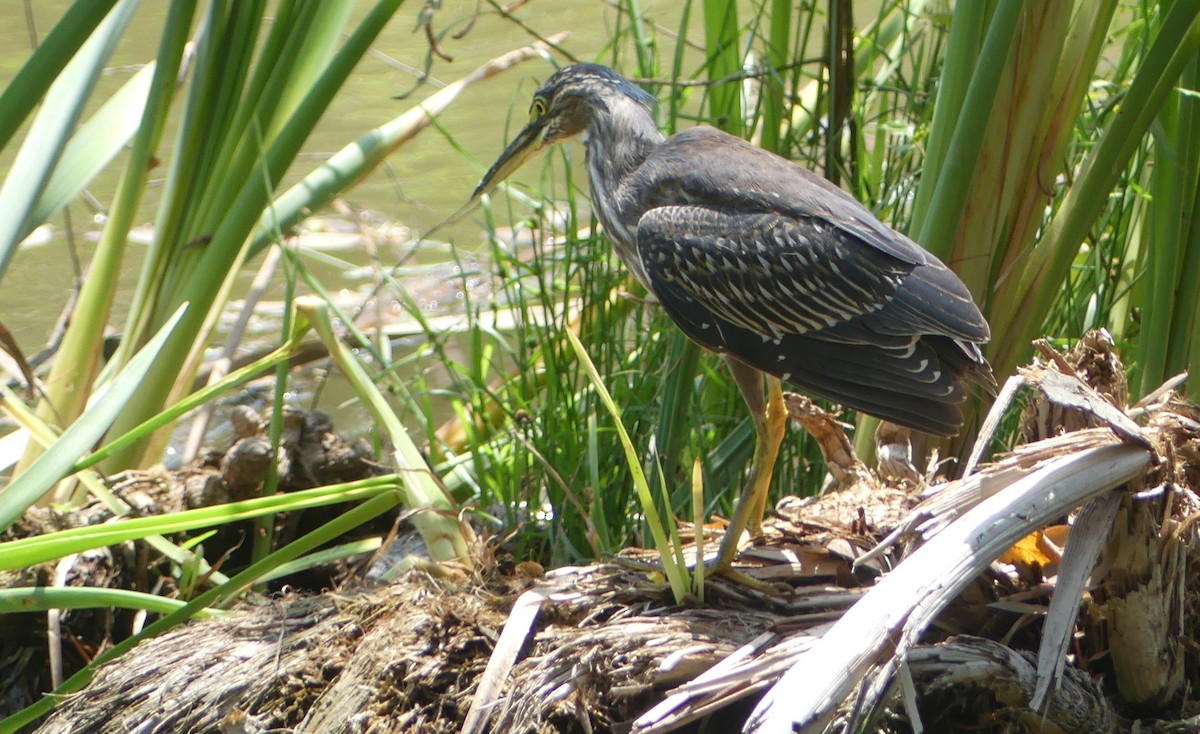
255, 88
1047, 151
1013, 139
986, 180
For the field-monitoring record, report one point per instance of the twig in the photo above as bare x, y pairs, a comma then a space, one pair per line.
843, 463
516, 631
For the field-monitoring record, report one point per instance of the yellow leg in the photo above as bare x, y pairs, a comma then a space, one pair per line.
770, 430
770, 422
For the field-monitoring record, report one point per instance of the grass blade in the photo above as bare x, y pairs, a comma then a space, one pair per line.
56, 463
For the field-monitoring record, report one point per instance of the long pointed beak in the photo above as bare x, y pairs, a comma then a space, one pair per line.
521, 149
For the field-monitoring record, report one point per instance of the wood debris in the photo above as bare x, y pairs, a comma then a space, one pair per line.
885, 606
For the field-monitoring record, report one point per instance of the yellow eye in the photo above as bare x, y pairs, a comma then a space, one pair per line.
537, 109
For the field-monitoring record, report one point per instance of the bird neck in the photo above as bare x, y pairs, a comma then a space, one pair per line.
617, 143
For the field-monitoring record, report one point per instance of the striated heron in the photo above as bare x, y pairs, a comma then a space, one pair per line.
768, 264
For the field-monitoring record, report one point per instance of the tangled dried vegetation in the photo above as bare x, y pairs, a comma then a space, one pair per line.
883, 605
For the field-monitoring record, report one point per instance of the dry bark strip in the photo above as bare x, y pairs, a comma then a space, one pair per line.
879, 630
971, 663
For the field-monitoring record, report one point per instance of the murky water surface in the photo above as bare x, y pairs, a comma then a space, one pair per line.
421, 184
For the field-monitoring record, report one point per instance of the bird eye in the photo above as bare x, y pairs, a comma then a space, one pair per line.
537, 109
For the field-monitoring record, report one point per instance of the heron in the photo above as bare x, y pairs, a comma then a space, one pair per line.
755, 258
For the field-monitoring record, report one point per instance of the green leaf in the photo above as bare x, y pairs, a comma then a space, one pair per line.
52, 128
44, 598
77, 440
39, 549
25, 89
93, 146
668, 552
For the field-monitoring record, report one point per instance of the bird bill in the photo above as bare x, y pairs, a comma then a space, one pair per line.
527, 143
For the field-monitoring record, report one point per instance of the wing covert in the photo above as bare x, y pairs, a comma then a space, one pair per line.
770, 274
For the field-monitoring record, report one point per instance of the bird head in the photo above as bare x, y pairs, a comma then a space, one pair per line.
562, 108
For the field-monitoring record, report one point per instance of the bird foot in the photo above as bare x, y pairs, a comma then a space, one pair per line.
713, 568
741, 578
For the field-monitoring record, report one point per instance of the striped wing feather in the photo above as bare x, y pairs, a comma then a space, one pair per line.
808, 286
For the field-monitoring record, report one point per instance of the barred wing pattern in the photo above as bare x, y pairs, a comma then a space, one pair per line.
805, 299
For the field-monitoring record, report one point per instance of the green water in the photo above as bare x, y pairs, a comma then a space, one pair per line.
421, 184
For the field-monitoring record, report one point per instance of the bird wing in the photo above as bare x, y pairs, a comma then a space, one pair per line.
770, 274
707, 166
755, 257
857, 263
810, 304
